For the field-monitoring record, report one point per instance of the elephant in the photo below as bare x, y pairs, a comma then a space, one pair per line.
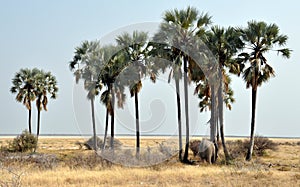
206, 149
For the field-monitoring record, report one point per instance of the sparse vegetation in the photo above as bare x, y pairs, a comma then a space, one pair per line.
23, 142
66, 165
178, 41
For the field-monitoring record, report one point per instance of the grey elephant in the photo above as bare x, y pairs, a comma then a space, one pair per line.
206, 149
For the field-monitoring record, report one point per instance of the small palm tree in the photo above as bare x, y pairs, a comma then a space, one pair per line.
260, 38
23, 86
45, 84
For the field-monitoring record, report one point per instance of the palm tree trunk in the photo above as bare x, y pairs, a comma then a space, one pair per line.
106, 128
137, 124
221, 122
29, 119
29, 112
217, 128
112, 119
38, 126
250, 149
38, 122
38, 117
213, 115
94, 124
186, 99
179, 118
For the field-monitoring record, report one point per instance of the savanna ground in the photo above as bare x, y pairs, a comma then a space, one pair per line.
61, 162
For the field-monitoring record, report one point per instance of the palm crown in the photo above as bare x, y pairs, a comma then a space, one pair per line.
260, 38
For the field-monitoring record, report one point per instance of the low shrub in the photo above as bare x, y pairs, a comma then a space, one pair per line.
90, 161
261, 144
23, 142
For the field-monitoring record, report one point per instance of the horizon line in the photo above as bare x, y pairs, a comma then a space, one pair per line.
147, 135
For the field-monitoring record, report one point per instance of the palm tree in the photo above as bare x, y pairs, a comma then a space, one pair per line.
224, 44
260, 38
136, 49
113, 64
23, 86
190, 23
87, 65
45, 84
171, 59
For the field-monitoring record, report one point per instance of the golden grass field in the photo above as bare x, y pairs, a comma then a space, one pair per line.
275, 168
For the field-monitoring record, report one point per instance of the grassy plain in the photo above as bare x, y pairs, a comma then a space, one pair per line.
280, 167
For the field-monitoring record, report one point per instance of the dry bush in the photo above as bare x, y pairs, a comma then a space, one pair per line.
239, 148
149, 156
236, 148
23, 142
41, 161
13, 177
261, 144
90, 161
44, 161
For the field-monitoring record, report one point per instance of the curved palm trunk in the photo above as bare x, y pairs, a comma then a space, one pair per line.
105, 131
94, 124
221, 122
186, 99
137, 124
250, 149
179, 118
112, 119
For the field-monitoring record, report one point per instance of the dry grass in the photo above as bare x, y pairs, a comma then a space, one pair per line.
276, 168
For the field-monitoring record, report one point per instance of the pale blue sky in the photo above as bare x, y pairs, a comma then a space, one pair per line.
44, 34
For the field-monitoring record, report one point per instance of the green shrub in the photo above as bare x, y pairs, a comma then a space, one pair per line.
23, 142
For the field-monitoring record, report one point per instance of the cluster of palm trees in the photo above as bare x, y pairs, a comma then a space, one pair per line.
34, 85
239, 51
190, 47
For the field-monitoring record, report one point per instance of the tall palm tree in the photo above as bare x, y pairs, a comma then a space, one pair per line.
86, 65
224, 44
113, 64
171, 59
23, 86
190, 23
45, 84
136, 50
260, 38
